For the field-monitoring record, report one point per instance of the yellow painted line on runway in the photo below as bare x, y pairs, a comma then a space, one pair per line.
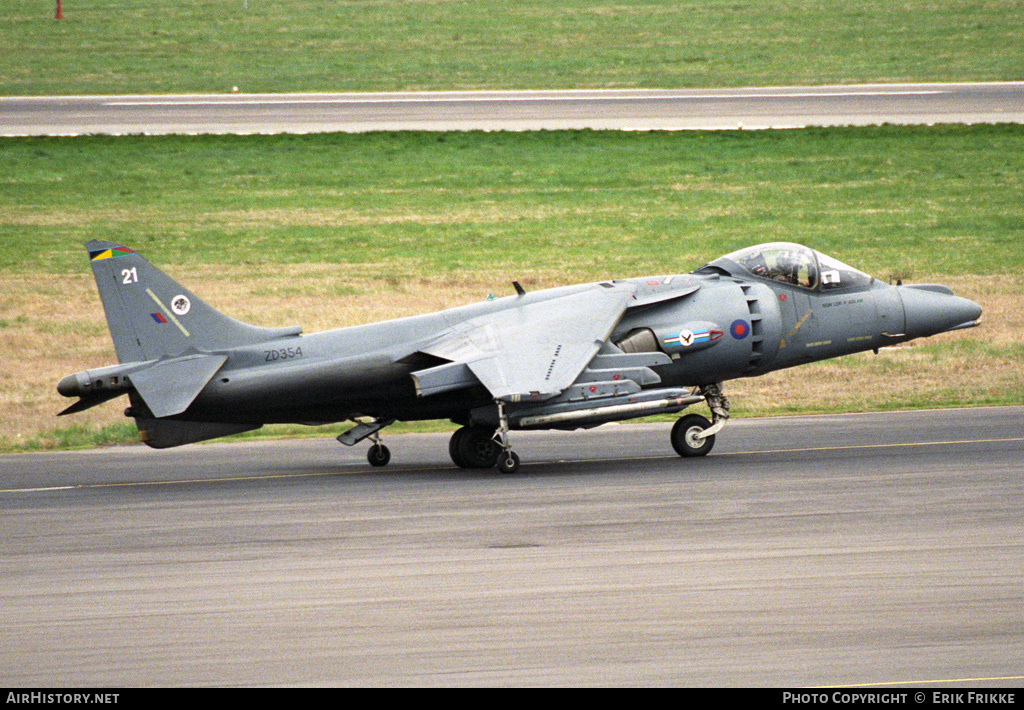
811, 449
410, 469
924, 682
871, 446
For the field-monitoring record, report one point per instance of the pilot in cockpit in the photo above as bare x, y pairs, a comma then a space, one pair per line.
787, 267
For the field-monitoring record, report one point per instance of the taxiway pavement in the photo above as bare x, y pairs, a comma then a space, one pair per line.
876, 548
633, 109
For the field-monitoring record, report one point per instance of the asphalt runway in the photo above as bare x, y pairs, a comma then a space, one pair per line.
804, 551
636, 109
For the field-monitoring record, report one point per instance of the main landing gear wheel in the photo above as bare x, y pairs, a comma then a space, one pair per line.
474, 447
378, 455
684, 436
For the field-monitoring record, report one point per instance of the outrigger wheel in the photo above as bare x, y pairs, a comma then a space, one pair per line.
685, 439
378, 455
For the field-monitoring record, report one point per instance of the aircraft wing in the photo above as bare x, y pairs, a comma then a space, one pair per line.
531, 351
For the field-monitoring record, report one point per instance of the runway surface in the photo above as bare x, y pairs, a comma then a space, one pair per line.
637, 109
835, 550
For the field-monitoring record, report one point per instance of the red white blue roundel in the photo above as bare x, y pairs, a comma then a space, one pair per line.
739, 329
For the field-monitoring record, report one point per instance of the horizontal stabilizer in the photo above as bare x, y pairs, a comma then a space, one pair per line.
170, 386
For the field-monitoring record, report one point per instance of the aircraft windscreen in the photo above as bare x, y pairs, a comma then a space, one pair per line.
836, 274
797, 265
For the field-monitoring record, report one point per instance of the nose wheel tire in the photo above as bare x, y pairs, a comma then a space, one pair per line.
684, 436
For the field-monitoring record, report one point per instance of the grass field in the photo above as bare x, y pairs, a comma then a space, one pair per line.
208, 46
333, 230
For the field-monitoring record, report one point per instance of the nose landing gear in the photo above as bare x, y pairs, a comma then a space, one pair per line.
694, 435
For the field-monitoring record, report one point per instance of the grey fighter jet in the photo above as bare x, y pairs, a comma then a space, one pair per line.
563, 358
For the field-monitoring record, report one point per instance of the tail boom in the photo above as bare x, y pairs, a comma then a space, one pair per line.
170, 344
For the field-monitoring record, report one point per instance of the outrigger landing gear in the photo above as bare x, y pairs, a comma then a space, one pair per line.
508, 462
694, 435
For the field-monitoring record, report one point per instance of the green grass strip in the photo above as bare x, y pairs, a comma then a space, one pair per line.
209, 46
891, 200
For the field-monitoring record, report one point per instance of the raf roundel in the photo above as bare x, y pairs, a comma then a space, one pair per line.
739, 329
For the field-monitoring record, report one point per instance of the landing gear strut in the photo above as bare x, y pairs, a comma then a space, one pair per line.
508, 462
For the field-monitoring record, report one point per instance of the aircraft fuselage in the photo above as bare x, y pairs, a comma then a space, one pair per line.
730, 328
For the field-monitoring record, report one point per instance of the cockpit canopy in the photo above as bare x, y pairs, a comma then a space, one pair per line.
793, 264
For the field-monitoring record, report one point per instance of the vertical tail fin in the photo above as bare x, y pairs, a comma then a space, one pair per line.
151, 316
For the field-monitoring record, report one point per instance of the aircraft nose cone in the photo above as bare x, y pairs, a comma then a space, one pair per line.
934, 309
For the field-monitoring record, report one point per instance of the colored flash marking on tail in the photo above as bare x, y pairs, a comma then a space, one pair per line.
158, 317
168, 313
109, 253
